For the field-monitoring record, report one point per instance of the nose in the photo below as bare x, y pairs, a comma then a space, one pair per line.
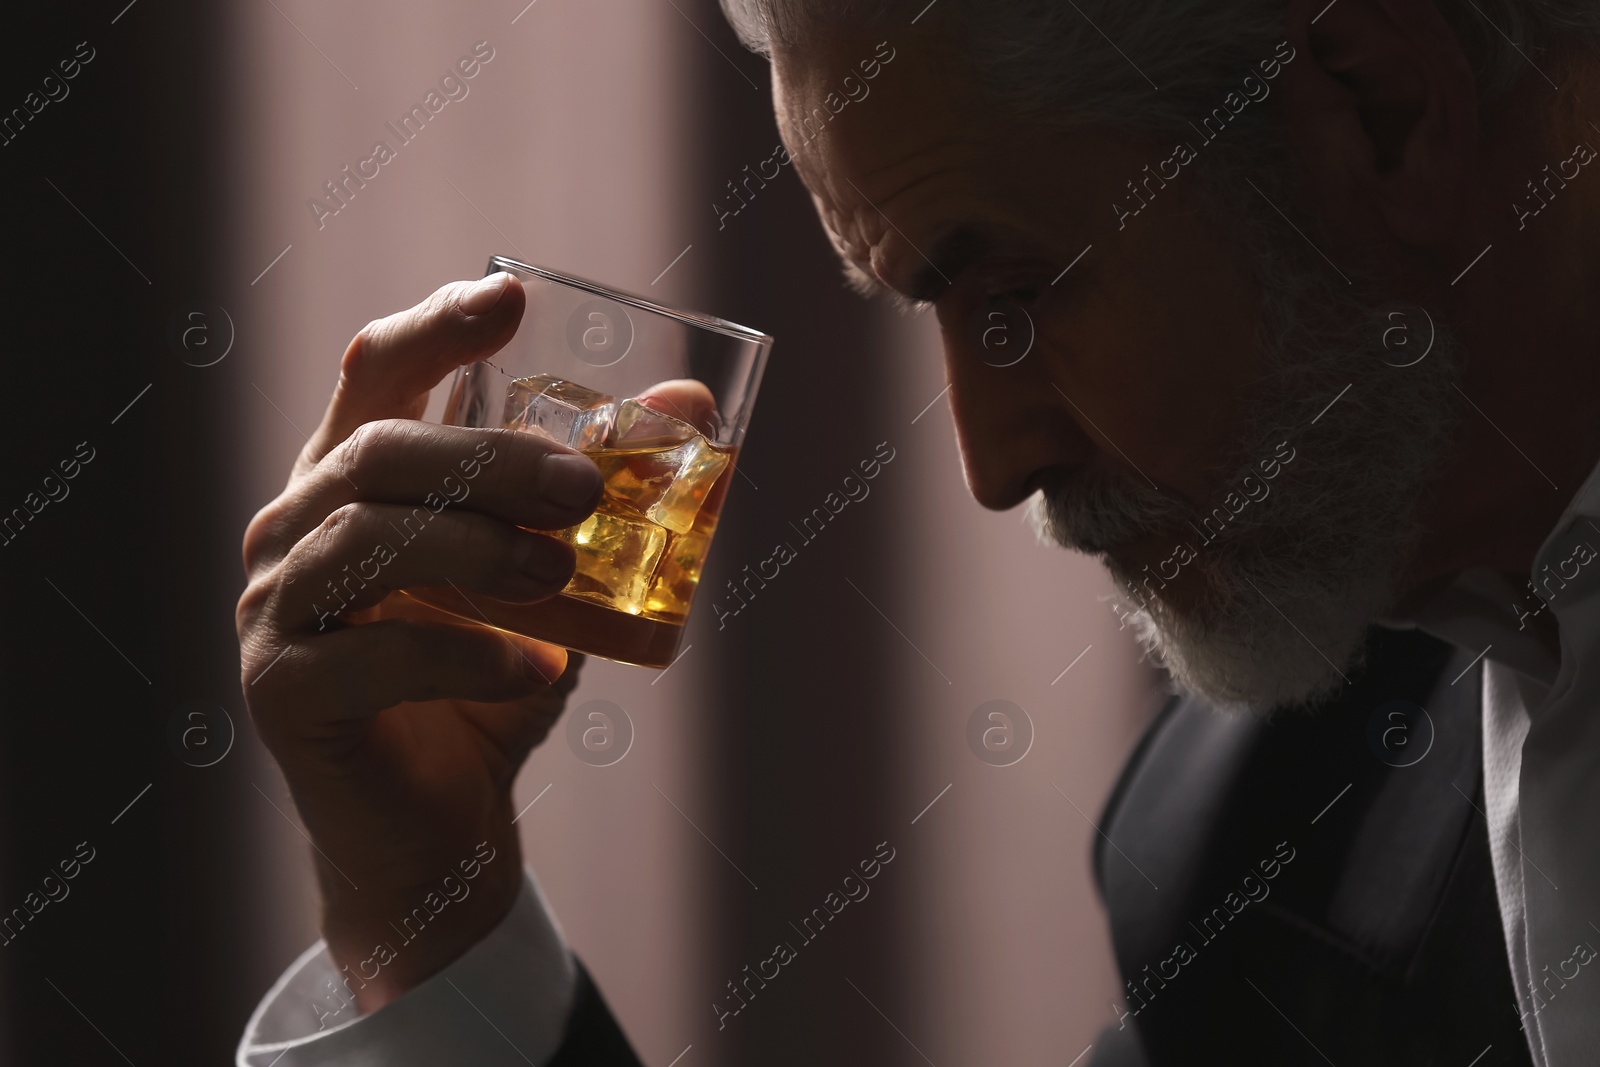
1011, 424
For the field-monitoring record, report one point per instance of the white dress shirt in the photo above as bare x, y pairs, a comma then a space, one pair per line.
505, 1003
1541, 769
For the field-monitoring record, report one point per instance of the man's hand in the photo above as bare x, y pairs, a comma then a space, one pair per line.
399, 733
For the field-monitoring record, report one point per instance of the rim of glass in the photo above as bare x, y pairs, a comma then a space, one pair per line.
693, 318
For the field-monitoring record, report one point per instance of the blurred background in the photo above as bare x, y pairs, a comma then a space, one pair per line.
177, 307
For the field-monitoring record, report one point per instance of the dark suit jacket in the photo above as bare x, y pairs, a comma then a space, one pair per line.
593, 1037
1379, 942
1283, 894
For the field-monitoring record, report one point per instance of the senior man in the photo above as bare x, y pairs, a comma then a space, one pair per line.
1314, 375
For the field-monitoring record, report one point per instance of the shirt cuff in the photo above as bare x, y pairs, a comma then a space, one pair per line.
506, 1001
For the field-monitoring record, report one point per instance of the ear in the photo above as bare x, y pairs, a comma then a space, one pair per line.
1383, 109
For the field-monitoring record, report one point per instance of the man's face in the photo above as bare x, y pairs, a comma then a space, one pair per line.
1140, 361
1156, 379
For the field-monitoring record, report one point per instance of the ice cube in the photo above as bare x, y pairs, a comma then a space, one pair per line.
701, 464
660, 466
617, 558
565, 412
639, 426
678, 575
686, 399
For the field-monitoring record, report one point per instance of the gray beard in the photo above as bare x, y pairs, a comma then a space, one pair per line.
1294, 579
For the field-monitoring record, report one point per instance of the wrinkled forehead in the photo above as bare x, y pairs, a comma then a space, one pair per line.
901, 147
871, 80
858, 106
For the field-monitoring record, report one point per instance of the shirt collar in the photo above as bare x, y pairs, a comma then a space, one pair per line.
1484, 609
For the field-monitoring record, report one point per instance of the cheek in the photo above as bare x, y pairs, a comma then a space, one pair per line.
1154, 336
1159, 353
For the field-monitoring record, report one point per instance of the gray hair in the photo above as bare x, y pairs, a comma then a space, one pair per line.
1189, 48
1048, 61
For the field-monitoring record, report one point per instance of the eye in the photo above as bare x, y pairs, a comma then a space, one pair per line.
1024, 294
1022, 281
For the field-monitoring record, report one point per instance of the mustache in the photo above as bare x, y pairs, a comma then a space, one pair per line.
1100, 509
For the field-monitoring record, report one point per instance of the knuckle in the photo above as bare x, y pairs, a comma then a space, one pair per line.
264, 667
443, 303
379, 331
321, 547
261, 537
368, 444
252, 603
342, 523
369, 333
354, 359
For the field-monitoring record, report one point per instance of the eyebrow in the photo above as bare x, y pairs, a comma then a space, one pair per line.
950, 253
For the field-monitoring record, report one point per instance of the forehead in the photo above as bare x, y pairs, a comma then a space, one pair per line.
856, 109
897, 142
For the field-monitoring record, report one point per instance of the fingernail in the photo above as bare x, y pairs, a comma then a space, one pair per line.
541, 559
486, 294
569, 481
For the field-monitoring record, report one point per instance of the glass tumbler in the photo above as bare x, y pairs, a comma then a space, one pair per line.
660, 399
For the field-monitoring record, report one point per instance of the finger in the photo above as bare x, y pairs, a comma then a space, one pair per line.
521, 478
358, 671
542, 659
363, 552
521, 725
568, 681
684, 399
394, 362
